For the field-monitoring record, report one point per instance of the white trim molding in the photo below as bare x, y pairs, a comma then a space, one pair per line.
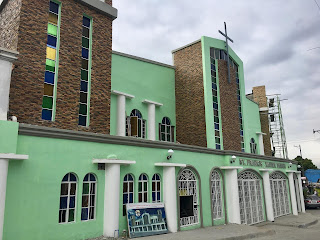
113, 161
265, 170
230, 167
115, 92
8, 55
152, 102
164, 164
263, 109
13, 156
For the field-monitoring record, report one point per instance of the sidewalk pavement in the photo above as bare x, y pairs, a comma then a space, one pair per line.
235, 231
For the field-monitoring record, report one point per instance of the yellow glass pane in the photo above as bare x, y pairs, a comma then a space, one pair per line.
51, 53
53, 18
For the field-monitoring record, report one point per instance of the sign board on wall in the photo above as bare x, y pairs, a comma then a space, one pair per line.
146, 219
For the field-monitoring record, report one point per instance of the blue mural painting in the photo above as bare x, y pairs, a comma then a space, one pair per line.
146, 219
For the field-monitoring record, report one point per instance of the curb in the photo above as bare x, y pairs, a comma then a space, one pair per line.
297, 226
251, 235
308, 224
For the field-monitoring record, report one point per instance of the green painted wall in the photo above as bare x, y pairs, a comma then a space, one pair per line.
8, 136
145, 81
252, 124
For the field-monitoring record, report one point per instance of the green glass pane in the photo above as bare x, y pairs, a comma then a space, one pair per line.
71, 215
217, 140
85, 42
139, 187
47, 102
145, 186
215, 99
52, 30
84, 75
83, 109
216, 119
50, 65
86, 188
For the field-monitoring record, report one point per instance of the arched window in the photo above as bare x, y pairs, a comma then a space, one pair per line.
127, 191
68, 198
279, 193
89, 197
136, 125
166, 130
216, 195
143, 188
156, 188
253, 146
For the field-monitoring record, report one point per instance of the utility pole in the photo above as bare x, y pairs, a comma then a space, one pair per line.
316, 131
299, 149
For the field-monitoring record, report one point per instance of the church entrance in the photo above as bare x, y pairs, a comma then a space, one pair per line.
250, 198
188, 197
279, 192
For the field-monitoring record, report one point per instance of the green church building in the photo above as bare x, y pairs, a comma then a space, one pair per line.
85, 130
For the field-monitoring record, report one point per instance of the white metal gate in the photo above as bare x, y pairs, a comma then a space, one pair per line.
187, 185
250, 198
279, 192
216, 195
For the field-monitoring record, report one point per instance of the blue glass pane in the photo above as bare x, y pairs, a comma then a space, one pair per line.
238, 97
237, 80
72, 202
84, 86
84, 214
125, 198
216, 126
240, 115
214, 86
92, 177
86, 22
125, 178
215, 106
158, 196
218, 146
65, 178
140, 177
73, 177
46, 114
85, 53
130, 177
157, 177
241, 133
144, 177
213, 67
49, 77
86, 177
54, 7
63, 202
82, 120
52, 41
153, 196
130, 197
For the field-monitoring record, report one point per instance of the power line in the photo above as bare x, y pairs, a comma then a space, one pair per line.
317, 4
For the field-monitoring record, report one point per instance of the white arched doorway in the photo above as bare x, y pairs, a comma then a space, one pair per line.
279, 193
250, 197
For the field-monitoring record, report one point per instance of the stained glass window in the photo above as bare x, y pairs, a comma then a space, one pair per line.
156, 188
89, 197
85, 71
68, 198
50, 77
127, 191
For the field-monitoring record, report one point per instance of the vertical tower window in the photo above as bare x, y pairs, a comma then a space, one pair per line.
127, 191
88, 197
85, 76
68, 198
156, 188
52, 57
253, 146
166, 130
239, 107
215, 54
143, 188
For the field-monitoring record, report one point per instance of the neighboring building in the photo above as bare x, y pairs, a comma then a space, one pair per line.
313, 175
95, 126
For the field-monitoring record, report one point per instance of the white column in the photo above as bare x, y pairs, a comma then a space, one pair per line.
170, 198
111, 199
292, 194
3, 187
261, 145
303, 209
121, 115
267, 194
232, 194
151, 121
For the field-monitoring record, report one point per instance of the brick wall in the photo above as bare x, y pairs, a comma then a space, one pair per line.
9, 24
229, 108
190, 111
28, 75
259, 96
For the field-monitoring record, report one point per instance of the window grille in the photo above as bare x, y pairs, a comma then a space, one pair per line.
279, 193
128, 188
166, 130
216, 195
250, 198
187, 186
68, 198
50, 77
156, 188
143, 188
88, 197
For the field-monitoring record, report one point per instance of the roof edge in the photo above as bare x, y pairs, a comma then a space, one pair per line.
185, 46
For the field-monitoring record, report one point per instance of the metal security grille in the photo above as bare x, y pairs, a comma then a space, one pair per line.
279, 192
250, 198
216, 195
187, 185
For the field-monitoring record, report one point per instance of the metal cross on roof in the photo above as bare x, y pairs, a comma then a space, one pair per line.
227, 38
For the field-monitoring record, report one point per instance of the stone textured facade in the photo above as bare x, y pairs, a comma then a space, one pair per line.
9, 24
28, 75
229, 108
190, 110
259, 96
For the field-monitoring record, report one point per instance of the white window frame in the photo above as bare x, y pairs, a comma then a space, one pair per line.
127, 191
90, 194
140, 122
69, 182
143, 190
166, 133
156, 189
